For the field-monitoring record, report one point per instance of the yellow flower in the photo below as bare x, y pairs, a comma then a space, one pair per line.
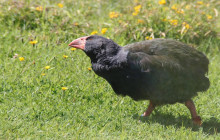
162, 2
94, 32
140, 21
65, 56
137, 8
21, 58
64, 88
76, 24
39, 8
113, 14
186, 25
43, 74
47, 67
135, 13
89, 68
148, 38
199, 2
209, 16
33, 42
174, 7
60, 5
73, 49
104, 30
173, 21
180, 11
164, 19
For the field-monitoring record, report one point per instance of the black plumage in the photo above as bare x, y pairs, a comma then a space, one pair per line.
163, 71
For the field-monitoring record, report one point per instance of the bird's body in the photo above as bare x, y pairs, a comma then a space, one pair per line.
163, 71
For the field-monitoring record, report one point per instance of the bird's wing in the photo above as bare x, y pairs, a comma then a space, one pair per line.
169, 55
148, 56
169, 59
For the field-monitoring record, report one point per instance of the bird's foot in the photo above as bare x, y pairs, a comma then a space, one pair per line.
197, 120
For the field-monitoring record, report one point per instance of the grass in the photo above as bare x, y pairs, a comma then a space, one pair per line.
32, 102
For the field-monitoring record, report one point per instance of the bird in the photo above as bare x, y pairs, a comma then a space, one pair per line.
163, 71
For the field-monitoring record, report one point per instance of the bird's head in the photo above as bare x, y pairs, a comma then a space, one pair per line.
96, 46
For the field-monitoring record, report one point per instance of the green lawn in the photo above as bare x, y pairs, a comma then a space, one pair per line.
35, 34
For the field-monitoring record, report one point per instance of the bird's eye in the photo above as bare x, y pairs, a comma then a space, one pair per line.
89, 38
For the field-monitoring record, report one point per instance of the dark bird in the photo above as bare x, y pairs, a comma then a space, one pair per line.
163, 71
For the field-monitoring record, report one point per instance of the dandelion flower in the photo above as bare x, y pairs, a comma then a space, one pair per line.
76, 24
104, 30
162, 2
94, 32
186, 25
39, 8
33, 42
173, 22
43, 74
200, 2
148, 38
65, 56
60, 5
180, 11
113, 14
64, 88
164, 19
209, 16
140, 21
135, 13
137, 8
47, 67
174, 7
72, 49
21, 58
89, 68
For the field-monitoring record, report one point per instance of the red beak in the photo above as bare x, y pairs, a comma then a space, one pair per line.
79, 43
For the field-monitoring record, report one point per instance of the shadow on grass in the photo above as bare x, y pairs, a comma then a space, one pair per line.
210, 127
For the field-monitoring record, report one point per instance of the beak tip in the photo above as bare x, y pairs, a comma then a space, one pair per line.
79, 43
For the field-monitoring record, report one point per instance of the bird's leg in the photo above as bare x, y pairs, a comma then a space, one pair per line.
196, 119
149, 109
